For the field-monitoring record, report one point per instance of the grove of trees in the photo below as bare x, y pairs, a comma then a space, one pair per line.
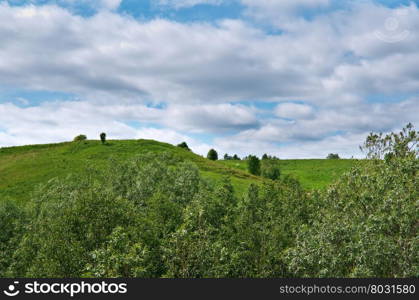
155, 216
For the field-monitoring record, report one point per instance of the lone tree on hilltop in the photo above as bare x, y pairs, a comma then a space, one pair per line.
333, 156
103, 137
212, 155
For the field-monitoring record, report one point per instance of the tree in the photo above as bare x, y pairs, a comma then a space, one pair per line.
235, 157
212, 155
184, 146
265, 156
333, 156
103, 137
270, 169
80, 138
228, 157
402, 144
253, 165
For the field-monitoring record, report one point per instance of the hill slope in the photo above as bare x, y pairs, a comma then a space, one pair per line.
23, 168
311, 173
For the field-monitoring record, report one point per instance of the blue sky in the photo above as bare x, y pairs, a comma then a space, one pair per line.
294, 78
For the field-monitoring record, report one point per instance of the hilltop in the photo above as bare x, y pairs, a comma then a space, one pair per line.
23, 168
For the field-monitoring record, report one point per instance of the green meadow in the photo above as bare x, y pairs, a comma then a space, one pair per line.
23, 168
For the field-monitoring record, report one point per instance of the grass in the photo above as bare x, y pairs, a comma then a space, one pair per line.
23, 168
312, 173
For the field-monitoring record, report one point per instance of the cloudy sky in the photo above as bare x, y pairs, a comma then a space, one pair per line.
293, 78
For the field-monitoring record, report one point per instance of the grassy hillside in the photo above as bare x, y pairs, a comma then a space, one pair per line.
23, 168
312, 173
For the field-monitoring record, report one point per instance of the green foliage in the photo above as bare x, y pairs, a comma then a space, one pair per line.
23, 168
212, 155
253, 165
333, 156
270, 169
402, 144
120, 256
184, 145
103, 137
155, 215
80, 138
12, 222
366, 225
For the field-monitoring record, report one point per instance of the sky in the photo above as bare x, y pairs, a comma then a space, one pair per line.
291, 78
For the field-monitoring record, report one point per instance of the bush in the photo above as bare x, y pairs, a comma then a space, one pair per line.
253, 165
12, 221
333, 156
366, 224
80, 138
184, 145
103, 137
270, 169
212, 155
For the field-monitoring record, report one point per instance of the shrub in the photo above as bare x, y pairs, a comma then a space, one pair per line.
366, 224
270, 169
333, 156
184, 145
12, 221
228, 157
80, 138
212, 155
103, 137
253, 165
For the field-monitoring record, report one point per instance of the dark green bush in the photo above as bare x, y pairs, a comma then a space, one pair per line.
270, 169
103, 137
333, 156
212, 155
80, 138
184, 145
253, 165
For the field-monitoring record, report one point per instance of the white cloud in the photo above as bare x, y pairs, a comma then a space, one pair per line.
333, 62
61, 121
294, 111
188, 3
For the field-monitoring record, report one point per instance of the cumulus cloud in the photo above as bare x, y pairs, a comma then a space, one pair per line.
294, 111
61, 121
123, 69
187, 3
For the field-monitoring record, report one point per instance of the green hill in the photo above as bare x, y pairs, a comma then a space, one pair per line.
23, 168
311, 173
